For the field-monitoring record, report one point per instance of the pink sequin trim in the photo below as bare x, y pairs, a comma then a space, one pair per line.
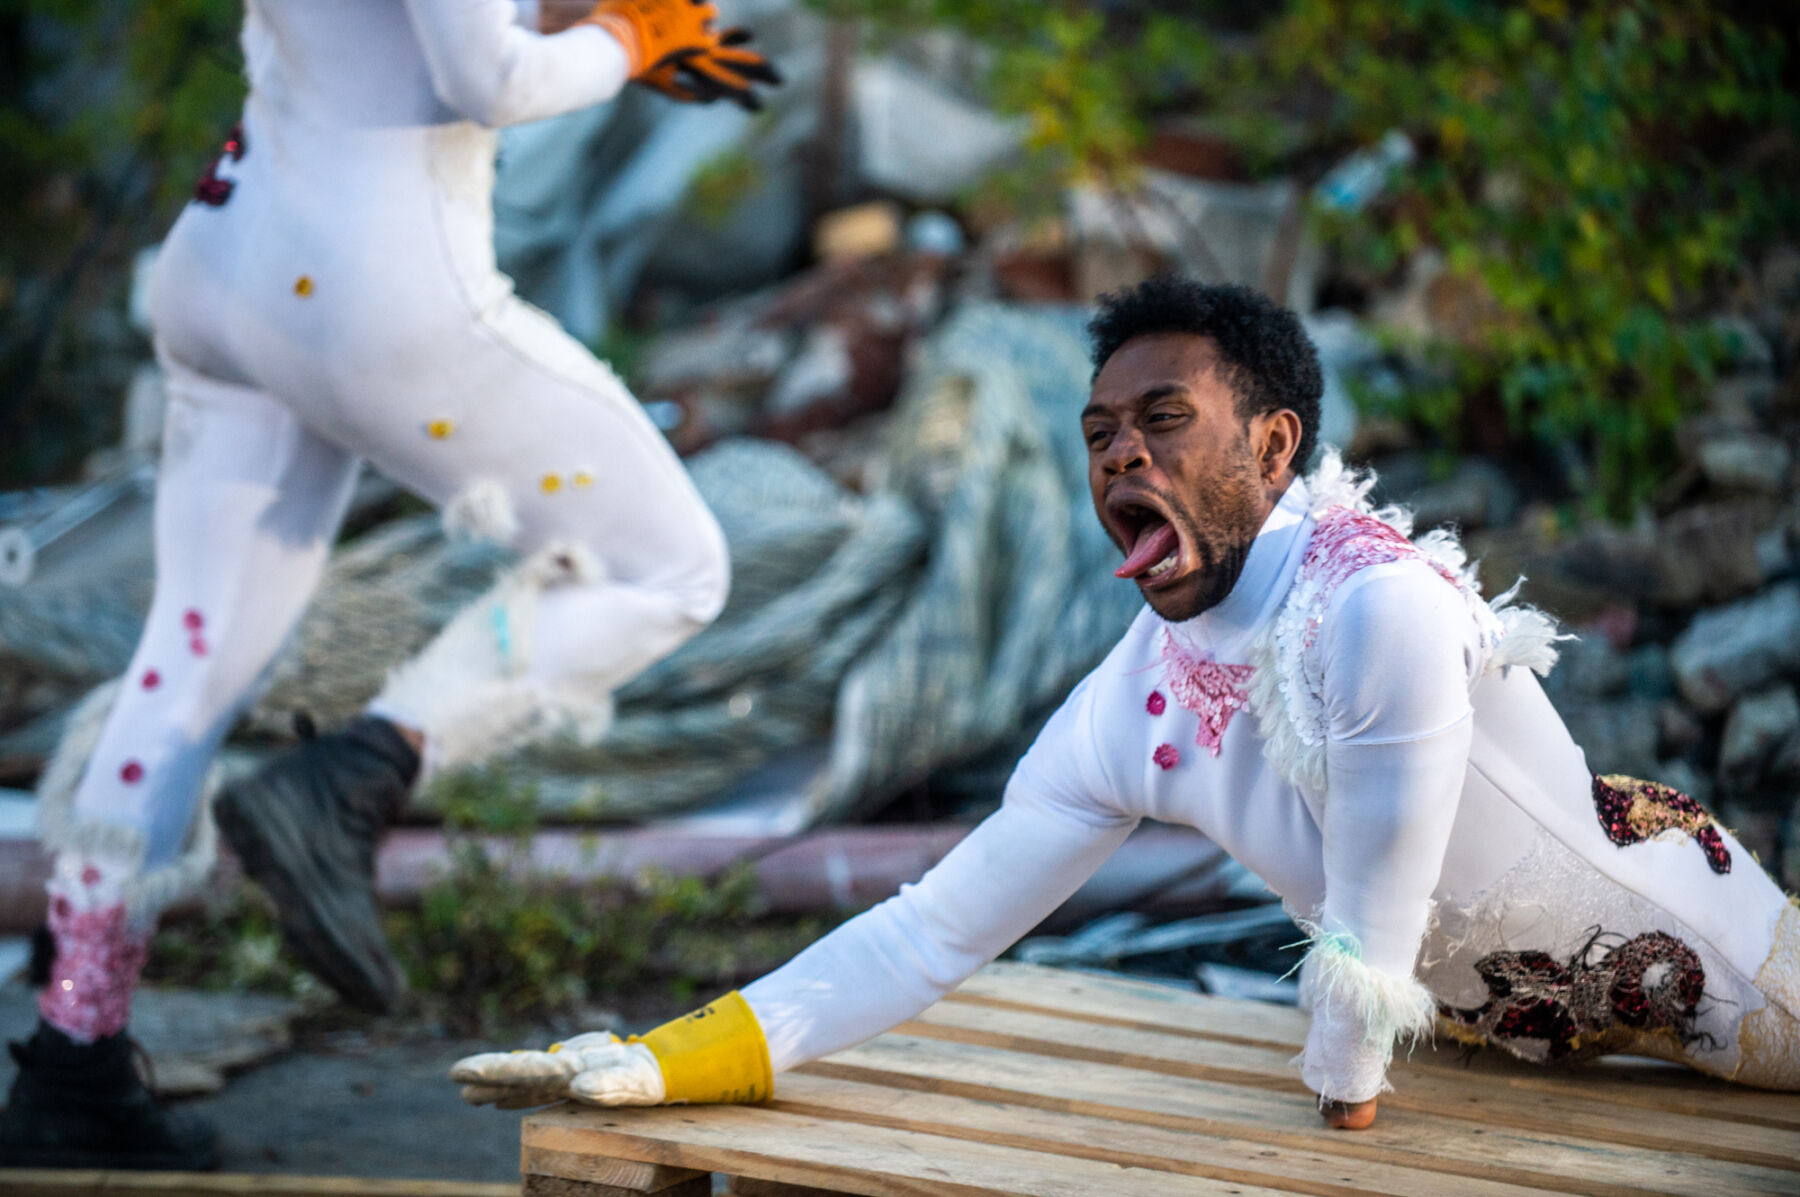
131, 773
98, 959
1156, 704
152, 679
197, 646
1166, 755
1209, 690
193, 621
1347, 541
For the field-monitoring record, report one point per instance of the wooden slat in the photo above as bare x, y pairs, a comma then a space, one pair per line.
58, 1182
872, 1161
1131, 1144
1425, 1091
1144, 1005
537, 1185
627, 1175
1289, 1120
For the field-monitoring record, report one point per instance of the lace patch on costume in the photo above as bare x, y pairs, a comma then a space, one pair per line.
1770, 1037
1571, 1009
1212, 692
1632, 811
1548, 906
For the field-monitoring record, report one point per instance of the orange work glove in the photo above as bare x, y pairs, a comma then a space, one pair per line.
673, 48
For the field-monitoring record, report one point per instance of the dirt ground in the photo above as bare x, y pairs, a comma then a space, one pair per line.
373, 1103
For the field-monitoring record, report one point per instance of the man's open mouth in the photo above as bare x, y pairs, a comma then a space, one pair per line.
1152, 545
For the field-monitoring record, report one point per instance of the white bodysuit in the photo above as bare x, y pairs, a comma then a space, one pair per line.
331, 297
1457, 823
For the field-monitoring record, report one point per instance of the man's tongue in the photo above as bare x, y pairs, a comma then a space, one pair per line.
1153, 544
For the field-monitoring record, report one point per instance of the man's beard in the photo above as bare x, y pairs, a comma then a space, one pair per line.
1223, 543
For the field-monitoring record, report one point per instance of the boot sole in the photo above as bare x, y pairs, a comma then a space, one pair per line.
310, 925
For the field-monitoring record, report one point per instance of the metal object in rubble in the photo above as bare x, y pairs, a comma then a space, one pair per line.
22, 540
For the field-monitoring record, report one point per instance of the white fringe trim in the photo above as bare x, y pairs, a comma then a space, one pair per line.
1340, 985
470, 691
483, 510
146, 895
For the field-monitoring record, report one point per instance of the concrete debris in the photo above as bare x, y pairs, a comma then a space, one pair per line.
194, 1039
1731, 650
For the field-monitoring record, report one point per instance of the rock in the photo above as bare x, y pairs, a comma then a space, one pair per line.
1678, 732
1742, 343
1757, 829
1775, 552
919, 141
1618, 736
1746, 461
1686, 778
1479, 495
862, 231
1648, 672
1588, 668
1732, 650
1708, 553
1758, 726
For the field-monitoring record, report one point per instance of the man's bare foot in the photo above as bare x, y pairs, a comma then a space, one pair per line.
1349, 1115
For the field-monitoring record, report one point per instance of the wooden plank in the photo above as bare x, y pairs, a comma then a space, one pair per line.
628, 1176
1131, 1144
871, 1161
61, 1182
1288, 1120
557, 1186
749, 1186
1424, 1092
1144, 1005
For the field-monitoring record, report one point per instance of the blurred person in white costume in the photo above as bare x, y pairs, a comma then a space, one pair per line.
331, 297
1335, 704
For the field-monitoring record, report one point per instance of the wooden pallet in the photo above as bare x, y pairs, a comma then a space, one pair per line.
1038, 1081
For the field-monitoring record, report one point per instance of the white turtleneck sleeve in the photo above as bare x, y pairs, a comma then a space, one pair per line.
887, 964
1399, 653
484, 65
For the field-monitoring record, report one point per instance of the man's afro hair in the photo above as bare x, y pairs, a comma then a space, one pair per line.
1268, 359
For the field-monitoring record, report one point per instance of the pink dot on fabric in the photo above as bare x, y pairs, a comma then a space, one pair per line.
62, 907
197, 646
1166, 755
1156, 704
193, 621
132, 773
152, 679
90, 875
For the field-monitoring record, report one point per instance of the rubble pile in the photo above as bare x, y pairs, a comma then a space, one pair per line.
890, 439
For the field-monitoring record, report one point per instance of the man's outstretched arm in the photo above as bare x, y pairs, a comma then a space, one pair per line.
878, 969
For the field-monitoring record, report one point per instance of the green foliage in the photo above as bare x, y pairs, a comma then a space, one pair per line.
1592, 175
109, 116
491, 948
235, 945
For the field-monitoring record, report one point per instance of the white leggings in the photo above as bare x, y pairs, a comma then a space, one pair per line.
250, 498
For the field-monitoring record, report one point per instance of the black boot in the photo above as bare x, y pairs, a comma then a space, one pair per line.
305, 827
83, 1105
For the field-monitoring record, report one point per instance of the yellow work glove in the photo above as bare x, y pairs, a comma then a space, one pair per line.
673, 48
715, 1054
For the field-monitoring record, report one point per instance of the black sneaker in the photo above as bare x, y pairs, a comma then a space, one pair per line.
305, 827
83, 1105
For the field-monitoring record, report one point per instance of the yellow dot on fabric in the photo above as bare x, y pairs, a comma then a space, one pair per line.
551, 483
303, 286
554, 1048
439, 429
584, 479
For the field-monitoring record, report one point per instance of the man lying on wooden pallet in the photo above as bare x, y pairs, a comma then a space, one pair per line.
1397, 776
